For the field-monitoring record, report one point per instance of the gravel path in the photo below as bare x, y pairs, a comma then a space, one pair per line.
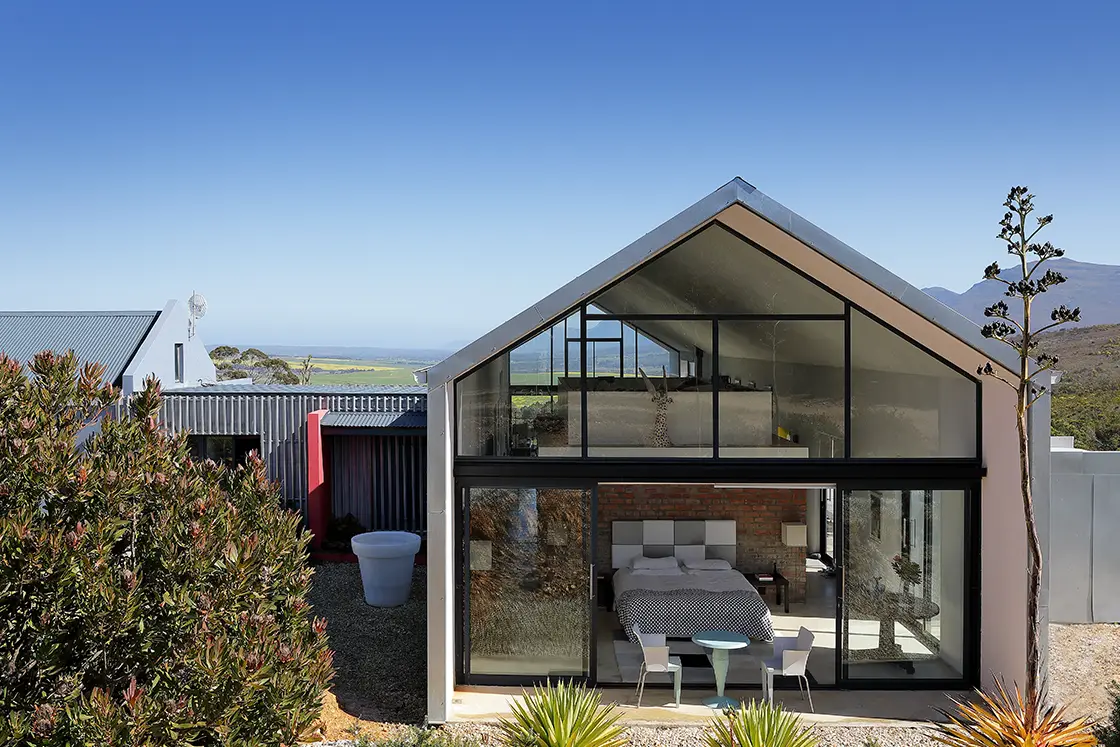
692, 736
380, 656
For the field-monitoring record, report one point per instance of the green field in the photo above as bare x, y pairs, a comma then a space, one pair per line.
344, 371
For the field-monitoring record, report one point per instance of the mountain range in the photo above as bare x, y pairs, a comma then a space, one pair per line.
1095, 288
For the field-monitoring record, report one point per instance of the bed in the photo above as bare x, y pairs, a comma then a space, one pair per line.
681, 605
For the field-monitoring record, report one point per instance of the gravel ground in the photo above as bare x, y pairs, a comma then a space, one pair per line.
1084, 659
380, 664
380, 656
692, 736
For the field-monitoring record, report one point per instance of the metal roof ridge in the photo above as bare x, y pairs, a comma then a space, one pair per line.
80, 313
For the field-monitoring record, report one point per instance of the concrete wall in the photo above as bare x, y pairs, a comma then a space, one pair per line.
1084, 522
156, 355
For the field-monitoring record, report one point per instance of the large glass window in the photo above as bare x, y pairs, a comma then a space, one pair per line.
905, 402
664, 408
784, 373
716, 272
528, 579
905, 584
781, 389
515, 403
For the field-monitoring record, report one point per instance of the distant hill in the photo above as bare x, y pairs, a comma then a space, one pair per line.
421, 356
1089, 357
1095, 288
1086, 402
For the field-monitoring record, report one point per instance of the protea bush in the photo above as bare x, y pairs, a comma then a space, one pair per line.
562, 715
1006, 719
145, 599
758, 724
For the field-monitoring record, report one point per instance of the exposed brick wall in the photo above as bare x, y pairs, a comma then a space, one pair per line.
758, 515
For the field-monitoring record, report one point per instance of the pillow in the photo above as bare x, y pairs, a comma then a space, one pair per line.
656, 572
643, 562
708, 564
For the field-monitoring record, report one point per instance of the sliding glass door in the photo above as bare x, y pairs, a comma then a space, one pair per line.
905, 606
529, 583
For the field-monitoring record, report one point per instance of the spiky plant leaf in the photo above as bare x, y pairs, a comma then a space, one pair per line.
564, 715
1003, 719
758, 725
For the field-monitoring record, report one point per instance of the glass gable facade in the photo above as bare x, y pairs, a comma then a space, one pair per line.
716, 349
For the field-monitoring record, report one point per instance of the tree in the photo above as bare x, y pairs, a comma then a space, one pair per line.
253, 362
145, 599
1021, 336
305, 369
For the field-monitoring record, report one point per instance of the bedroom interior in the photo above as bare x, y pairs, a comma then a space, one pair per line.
715, 551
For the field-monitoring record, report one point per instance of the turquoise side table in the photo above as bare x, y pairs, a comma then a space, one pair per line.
721, 642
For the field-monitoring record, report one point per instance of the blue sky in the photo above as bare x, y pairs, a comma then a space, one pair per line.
412, 174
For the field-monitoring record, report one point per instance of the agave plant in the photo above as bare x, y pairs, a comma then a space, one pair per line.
1004, 719
566, 715
759, 725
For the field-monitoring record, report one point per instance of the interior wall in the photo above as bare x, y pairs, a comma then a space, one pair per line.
813, 520
758, 514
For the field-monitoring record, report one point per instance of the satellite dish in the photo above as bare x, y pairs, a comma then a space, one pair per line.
197, 306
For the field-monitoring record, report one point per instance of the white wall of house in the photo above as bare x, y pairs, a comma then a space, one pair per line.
157, 353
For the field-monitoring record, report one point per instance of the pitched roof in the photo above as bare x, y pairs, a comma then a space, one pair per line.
107, 337
734, 192
410, 419
229, 387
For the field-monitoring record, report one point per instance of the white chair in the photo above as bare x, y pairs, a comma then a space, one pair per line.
655, 658
791, 659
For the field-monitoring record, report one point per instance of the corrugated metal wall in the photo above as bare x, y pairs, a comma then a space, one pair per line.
279, 419
380, 480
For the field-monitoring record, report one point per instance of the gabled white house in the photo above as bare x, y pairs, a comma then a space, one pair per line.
131, 344
799, 397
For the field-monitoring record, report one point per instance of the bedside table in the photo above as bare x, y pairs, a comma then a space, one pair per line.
780, 584
604, 589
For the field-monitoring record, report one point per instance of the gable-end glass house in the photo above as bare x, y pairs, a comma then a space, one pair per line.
800, 431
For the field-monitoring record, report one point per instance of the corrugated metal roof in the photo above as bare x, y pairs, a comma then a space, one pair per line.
108, 337
298, 389
412, 419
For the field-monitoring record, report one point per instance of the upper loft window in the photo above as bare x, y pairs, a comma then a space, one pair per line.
717, 272
728, 354
906, 402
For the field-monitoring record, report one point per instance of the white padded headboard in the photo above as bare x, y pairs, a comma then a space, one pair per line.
685, 539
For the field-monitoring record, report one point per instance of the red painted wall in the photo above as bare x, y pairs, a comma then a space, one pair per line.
318, 496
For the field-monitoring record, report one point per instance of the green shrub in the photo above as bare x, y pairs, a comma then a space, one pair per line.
758, 724
564, 715
1108, 732
145, 599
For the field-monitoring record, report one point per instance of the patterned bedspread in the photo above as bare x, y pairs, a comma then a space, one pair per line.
681, 613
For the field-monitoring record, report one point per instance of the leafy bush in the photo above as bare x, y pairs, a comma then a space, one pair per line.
145, 599
1108, 732
565, 715
1006, 719
758, 724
